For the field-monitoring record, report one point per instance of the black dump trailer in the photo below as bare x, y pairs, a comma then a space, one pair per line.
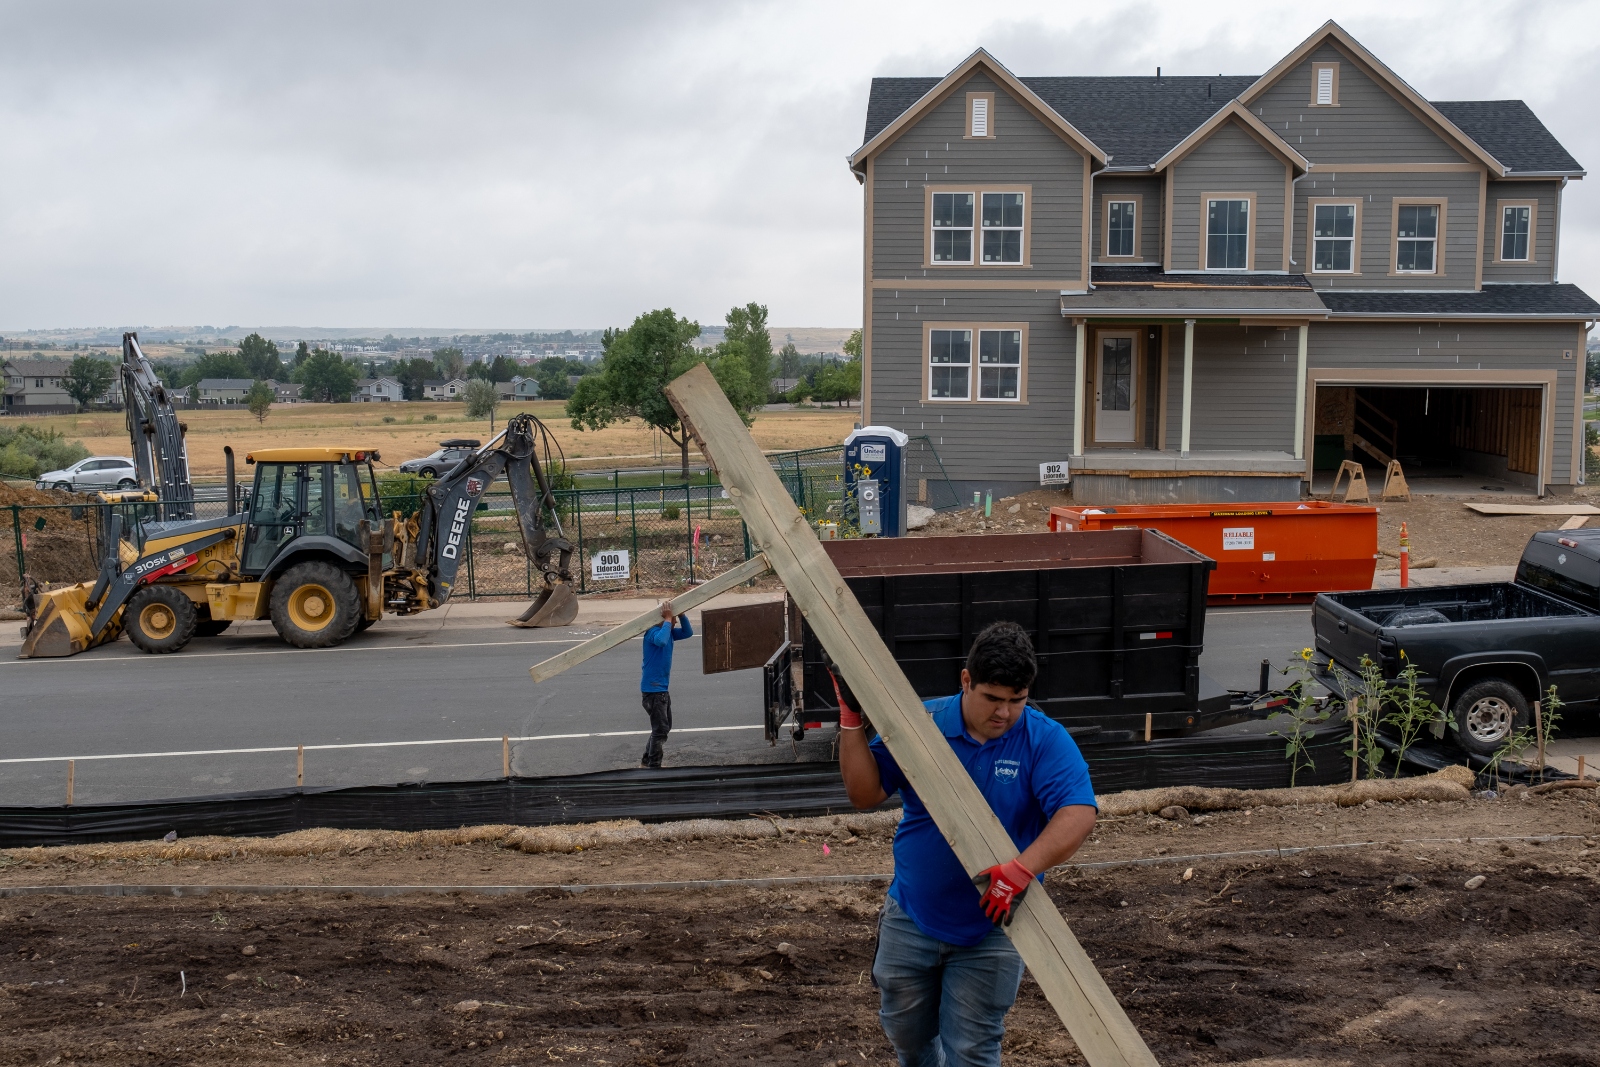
1117, 618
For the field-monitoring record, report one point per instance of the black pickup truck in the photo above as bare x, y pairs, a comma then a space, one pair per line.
1483, 652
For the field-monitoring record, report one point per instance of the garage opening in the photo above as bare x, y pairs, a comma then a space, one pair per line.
1474, 437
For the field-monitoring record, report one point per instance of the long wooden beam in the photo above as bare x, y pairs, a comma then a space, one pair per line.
1098, 1024
749, 570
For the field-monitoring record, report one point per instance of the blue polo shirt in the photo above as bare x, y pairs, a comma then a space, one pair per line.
1027, 774
656, 673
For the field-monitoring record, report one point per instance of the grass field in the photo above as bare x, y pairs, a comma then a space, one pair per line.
628, 444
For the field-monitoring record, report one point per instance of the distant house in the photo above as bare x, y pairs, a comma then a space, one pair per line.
438, 390
220, 392
33, 387
520, 388
377, 390
285, 392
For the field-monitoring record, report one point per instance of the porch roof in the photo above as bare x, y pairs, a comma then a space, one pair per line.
1194, 301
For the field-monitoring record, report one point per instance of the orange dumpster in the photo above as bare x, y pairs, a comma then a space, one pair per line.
1286, 552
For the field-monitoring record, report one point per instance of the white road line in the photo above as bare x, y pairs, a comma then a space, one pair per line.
372, 744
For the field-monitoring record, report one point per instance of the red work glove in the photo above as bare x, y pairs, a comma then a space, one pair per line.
1008, 883
849, 717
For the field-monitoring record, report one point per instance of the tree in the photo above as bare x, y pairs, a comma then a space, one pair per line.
479, 371
86, 379
216, 365
302, 352
838, 382
260, 357
747, 339
481, 400
789, 362
551, 374
325, 377
259, 400
634, 371
449, 362
502, 369
852, 345
413, 376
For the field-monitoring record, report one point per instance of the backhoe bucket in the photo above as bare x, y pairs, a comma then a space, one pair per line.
556, 606
62, 625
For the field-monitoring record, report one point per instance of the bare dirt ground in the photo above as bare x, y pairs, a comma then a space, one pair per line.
1440, 528
1376, 954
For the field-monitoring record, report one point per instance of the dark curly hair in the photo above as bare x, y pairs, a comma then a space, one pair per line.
1003, 655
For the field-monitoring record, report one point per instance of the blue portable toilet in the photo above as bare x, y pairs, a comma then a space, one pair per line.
881, 494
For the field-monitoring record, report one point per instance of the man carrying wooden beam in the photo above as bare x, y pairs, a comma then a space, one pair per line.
946, 972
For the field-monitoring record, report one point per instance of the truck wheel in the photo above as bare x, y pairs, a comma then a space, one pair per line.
315, 605
160, 619
1487, 714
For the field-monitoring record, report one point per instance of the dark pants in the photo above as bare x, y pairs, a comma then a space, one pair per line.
659, 707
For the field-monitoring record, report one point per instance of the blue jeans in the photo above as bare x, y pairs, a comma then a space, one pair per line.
943, 1004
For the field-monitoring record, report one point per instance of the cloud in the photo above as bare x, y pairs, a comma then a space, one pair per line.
548, 165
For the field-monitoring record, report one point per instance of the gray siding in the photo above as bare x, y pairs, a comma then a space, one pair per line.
1243, 388
1005, 442
1377, 191
1368, 126
1152, 194
1230, 160
1463, 346
933, 152
1543, 266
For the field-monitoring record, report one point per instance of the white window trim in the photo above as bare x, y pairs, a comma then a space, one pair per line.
1311, 234
1137, 201
1021, 230
977, 365
972, 367
1500, 235
972, 231
976, 192
1443, 206
1206, 200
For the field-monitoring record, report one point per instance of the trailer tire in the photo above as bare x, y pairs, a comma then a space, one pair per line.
160, 619
315, 605
1487, 713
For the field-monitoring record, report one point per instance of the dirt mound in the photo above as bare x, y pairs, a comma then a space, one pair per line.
12, 493
56, 547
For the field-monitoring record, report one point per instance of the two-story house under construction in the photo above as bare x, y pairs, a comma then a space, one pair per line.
1208, 288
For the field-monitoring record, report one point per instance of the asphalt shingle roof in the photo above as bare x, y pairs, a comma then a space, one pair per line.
1136, 120
1553, 300
1510, 132
1111, 274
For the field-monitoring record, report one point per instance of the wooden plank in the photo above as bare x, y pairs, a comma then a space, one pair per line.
1535, 509
749, 570
1102, 1030
1574, 523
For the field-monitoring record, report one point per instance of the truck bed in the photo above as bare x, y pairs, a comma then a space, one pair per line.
1494, 601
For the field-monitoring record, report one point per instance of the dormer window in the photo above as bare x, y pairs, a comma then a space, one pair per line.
1227, 233
1516, 232
1324, 85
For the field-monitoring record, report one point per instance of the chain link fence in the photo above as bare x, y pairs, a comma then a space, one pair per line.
637, 536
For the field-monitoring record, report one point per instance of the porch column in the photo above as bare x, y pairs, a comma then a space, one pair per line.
1300, 395
1188, 380
1081, 331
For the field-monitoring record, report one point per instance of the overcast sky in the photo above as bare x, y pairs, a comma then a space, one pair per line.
519, 165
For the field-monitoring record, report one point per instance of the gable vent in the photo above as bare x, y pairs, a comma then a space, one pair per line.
980, 116
1325, 86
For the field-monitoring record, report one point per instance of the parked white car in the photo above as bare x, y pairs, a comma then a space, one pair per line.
96, 472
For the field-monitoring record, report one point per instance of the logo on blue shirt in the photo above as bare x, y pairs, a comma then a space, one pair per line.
1006, 769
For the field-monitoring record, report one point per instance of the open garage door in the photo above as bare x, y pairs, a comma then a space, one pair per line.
1471, 437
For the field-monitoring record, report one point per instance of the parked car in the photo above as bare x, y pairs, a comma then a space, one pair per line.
450, 453
96, 472
1484, 653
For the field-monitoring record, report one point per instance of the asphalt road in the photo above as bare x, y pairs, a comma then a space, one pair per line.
467, 679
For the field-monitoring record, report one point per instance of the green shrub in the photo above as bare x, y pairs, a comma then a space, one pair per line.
430, 418
388, 418
27, 452
669, 512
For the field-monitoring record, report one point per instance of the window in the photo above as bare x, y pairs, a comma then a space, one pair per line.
1324, 85
1516, 229
952, 227
1122, 217
1416, 238
980, 115
1334, 237
949, 364
999, 364
1002, 227
1227, 234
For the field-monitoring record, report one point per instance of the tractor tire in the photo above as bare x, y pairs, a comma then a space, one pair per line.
315, 605
209, 627
160, 619
364, 623
1487, 714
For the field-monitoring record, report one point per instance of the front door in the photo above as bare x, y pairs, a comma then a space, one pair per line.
1115, 399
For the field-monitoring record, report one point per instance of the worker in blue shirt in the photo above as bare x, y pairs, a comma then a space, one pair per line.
656, 676
946, 971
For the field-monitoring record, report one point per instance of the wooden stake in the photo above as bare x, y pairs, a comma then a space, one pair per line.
1076, 990
1580, 769
749, 570
72, 772
1355, 738
505, 756
1538, 732
1149, 719
300, 765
